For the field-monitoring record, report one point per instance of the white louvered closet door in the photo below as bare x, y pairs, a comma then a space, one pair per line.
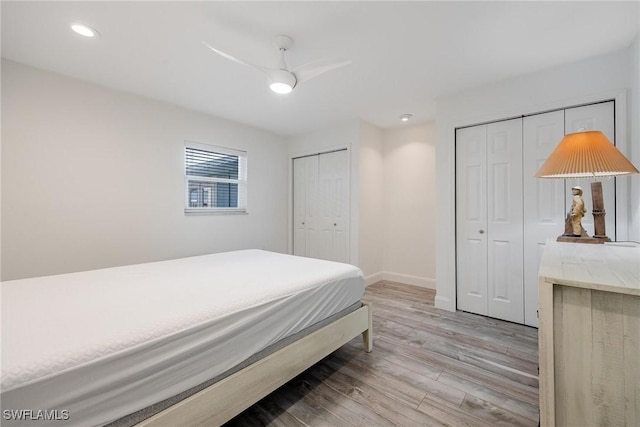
321, 206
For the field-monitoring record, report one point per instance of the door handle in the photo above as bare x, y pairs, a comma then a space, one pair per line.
481, 232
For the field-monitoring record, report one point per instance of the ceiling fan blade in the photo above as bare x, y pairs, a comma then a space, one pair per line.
234, 59
315, 68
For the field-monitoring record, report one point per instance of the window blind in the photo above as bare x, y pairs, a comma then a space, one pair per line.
216, 178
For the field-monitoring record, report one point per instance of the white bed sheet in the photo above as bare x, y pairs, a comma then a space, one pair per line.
102, 344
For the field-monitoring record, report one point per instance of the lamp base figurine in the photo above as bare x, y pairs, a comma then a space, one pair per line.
570, 237
574, 232
578, 239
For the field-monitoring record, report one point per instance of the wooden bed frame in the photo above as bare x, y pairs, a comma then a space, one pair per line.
223, 400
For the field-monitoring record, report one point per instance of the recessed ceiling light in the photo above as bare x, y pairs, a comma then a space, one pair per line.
84, 30
405, 117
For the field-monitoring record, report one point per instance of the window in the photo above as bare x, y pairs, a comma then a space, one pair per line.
215, 179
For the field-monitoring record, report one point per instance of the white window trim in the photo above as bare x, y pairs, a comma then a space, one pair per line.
213, 210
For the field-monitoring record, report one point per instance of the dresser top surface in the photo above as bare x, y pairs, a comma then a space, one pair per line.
605, 267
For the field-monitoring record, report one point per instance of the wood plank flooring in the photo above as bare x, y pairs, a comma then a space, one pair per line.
428, 368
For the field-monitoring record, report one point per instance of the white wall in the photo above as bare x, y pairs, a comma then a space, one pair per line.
371, 201
602, 77
410, 205
93, 178
340, 136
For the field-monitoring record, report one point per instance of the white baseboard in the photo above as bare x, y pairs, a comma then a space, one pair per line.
423, 282
372, 278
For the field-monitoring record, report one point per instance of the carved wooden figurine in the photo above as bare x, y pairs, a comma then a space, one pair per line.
573, 225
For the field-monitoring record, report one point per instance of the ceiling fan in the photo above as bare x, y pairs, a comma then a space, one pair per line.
281, 79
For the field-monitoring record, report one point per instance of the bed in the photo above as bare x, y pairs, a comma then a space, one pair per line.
192, 341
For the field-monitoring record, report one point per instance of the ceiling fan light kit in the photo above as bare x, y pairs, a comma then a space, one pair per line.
84, 30
281, 79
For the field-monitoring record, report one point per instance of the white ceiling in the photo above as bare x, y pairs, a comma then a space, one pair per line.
405, 54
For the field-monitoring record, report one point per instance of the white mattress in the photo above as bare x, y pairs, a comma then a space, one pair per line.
102, 344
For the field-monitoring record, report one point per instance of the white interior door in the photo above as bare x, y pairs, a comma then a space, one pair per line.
321, 206
305, 207
504, 221
471, 219
544, 201
299, 206
594, 117
333, 172
489, 229
341, 206
504, 215
312, 226
326, 196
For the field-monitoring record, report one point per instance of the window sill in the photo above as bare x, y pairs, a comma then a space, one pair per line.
190, 212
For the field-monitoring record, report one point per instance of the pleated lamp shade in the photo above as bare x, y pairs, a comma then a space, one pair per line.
585, 154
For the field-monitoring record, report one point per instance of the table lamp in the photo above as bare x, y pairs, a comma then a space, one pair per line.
586, 154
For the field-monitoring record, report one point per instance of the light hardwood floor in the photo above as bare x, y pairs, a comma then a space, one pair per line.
428, 367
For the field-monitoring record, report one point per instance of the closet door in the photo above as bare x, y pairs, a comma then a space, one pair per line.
321, 206
505, 223
333, 213
471, 219
489, 229
544, 201
305, 207
594, 117
504, 215
299, 206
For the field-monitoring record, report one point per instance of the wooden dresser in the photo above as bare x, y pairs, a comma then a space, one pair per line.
589, 335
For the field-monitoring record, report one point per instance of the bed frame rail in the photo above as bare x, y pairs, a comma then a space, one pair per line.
225, 399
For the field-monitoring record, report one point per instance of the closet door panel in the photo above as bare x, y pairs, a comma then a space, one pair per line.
471, 219
321, 206
326, 201
544, 201
504, 220
313, 245
341, 207
299, 206
594, 117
